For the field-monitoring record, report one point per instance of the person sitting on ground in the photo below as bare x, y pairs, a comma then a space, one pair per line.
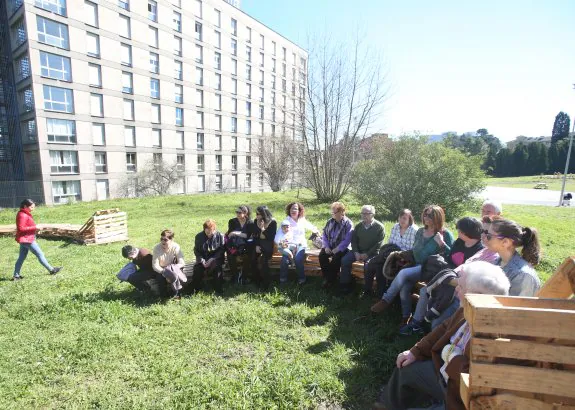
209, 252
239, 236
285, 242
366, 240
504, 237
431, 369
142, 259
467, 248
26, 237
491, 208
434, 238
168, 261
295, 212
265, 232
336, 242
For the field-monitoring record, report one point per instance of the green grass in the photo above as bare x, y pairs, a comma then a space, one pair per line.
81, 339
552, 182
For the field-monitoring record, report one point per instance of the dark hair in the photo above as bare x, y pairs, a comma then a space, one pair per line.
27, 203
168, 233
409, 215
526, 238
437, 216
470, 227
265, 212
209, 224
246, 210
300, 207
127, 250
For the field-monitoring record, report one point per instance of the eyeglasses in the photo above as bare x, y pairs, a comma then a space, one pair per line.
164, 239
334, 212
489, 236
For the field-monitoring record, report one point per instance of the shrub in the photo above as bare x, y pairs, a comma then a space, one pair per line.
411, 173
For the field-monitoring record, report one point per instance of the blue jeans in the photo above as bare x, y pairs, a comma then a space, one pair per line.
346, 262
35, 249
402, 284
299, 259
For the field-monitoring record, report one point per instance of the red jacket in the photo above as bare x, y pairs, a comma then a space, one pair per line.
25, 226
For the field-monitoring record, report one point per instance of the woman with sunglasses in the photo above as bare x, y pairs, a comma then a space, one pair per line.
433, 238
265, 232
240, 230
504, 237
167, 253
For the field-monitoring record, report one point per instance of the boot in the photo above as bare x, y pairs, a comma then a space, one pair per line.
380, 306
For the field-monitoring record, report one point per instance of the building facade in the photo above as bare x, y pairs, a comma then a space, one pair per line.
95, 91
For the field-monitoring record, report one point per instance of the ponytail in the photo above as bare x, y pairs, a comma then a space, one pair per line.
530, 243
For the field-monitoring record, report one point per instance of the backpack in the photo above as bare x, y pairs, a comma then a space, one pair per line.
441, 293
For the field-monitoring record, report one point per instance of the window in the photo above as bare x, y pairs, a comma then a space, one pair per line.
178, 93
125, 27
273, 82
96, 105
302, 63
262, 58
153, 36
55, 66
217, 102
178, 69
179, 116
199, 53
273, 130
218, 122
58, 99
199, 98
26, 98
218, 183
248, 180
157, 159
248, 127
91, 12
156, 138
23, 67
234, 125
249, 90
261, 132
61, 131
218, 18
154, 88
51, 32
152, 10
129, 110
218, 162
234, 146
273, 98
154, 63
273, 114
234, 24
249, 35
261, 180
284, 53
177, 21
93, 44
218, 39
234, 106
261, 112
262, 41
200, 141
273, 48
131, 162
126, 54
249, 145
261, 77
95, 75
218, 81
55, 6
234, 162
273, 65
234, 86
201, 183
177, 46
198, 8
248, 163
124, 4
63, 191
284, 85
180, 139
217, 61
156, 114
130, 136
261, 94
248, 73
234, 47
98, 134
199, 76
218, 142
248, 109
249, 54
293, 60
64, 162
199, 119
198, 31
200, 162
180, 162
127, 83
100, 162
18, 33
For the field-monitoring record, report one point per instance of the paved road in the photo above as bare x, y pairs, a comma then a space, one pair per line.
523, 196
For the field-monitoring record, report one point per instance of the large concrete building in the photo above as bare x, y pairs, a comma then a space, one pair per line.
93, 91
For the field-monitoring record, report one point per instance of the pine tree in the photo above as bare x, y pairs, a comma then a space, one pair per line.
560, 127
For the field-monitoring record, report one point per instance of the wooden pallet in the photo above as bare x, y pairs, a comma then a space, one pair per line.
522, 351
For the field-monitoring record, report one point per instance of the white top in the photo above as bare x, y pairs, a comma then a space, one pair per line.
161, 258
405, 241
297, 229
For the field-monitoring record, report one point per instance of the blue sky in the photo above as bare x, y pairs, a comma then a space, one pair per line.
505, 65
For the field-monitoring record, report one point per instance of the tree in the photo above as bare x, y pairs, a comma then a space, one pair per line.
278, 159
560, 127
538, 163
504, 163
346, 89
154, 178
520, 160
410, 173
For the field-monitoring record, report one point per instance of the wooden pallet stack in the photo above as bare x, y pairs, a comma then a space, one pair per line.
105, 226
522, 351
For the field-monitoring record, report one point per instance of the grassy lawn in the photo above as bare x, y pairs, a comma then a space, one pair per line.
552, 182
81, 339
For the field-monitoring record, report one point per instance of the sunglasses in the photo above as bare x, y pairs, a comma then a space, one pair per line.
164, 239
491, 235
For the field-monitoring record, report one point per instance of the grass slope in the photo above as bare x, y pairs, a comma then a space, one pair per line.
81, 339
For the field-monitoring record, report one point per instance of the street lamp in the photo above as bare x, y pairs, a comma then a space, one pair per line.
567, 162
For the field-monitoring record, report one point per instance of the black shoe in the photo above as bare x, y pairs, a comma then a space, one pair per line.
17, 277
56, 270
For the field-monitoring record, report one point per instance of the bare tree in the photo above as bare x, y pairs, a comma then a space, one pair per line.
154, 178
346, 89
277, 159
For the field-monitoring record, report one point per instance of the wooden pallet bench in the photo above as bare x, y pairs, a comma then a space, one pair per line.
523, 349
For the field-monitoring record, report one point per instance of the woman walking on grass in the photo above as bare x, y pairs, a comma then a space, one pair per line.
26, 237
